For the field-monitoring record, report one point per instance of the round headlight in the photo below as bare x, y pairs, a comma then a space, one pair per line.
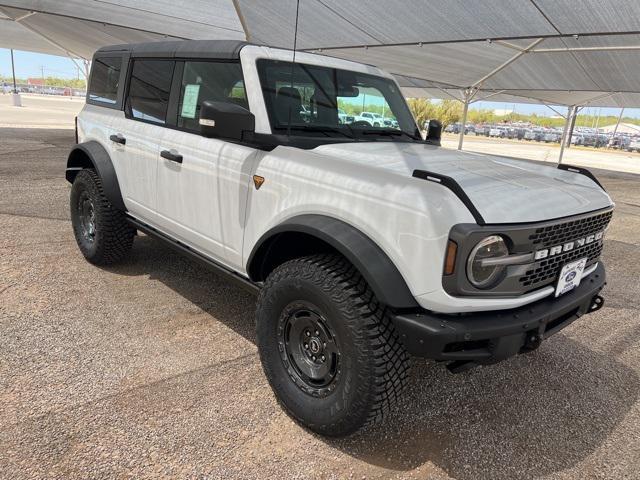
483, 275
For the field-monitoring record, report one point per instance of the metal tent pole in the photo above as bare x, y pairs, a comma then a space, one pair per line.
565, 133
13, 72
572, 125
465, 110
15, 96
615, 130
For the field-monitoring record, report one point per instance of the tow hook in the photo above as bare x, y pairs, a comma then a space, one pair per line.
532, 342
596, 304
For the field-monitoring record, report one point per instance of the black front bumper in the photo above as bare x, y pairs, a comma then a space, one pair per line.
488, 337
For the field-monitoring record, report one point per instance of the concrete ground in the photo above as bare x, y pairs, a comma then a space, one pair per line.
149, 369
39, 111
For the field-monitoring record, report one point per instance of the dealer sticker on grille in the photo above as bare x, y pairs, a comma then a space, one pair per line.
570, 276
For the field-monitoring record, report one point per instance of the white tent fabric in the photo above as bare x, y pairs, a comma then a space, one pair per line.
79, 27
562, 52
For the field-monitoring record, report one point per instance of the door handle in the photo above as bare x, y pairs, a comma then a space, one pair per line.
118, 139
174, 157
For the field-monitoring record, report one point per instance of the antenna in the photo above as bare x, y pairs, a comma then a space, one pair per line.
293, 63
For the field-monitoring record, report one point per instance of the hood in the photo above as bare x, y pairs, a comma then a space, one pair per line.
504, 190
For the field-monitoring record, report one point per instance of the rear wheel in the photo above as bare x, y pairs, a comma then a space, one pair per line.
102, 232
328, 348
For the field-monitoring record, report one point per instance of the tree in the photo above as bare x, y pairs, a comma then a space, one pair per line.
447, 111
422, 110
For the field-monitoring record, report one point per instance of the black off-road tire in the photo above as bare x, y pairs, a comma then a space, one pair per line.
110, 237
372, 364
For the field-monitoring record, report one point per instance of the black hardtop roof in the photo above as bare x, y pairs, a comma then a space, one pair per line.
222, 49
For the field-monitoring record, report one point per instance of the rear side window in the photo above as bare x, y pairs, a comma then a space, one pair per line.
205, 80
105, 77
149, 90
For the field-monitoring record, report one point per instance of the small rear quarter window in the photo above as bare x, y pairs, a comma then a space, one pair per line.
105, 77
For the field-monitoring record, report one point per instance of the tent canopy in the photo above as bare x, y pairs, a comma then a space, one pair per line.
562, 52
77, 28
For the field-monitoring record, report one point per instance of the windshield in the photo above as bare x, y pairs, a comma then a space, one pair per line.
310, 100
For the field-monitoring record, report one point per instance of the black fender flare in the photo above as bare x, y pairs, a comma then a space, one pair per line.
101, 162
372, 262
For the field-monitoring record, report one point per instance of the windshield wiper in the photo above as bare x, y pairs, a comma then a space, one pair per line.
321, 129
389, 133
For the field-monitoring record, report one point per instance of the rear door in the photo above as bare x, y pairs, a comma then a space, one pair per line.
203, 182
104, 99
137, 134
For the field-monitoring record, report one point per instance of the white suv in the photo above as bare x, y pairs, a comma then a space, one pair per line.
370, 118
364, 244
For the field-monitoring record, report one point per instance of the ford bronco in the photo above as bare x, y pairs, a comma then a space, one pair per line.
365, 244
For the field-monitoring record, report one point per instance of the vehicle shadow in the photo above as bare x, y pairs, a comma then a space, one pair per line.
527, 417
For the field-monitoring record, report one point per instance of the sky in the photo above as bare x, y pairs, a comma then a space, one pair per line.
30, 64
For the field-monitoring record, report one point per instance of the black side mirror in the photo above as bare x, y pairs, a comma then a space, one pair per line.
434, 132
225, 120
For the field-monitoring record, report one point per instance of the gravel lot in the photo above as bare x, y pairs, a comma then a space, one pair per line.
150, 369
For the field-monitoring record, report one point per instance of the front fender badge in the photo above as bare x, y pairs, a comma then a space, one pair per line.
258, 181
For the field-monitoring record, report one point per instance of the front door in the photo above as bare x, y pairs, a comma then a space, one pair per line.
203, 182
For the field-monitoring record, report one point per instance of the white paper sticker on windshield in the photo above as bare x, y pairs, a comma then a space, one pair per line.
190, 101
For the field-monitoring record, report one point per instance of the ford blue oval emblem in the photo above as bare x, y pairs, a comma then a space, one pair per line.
570, 276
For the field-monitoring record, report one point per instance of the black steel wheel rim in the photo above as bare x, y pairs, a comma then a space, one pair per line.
87, 217
309, 348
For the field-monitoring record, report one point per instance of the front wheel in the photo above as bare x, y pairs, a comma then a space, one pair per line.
328, 348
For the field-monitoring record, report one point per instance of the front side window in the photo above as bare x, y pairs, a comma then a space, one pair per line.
204, 80
320, 101
149, 90
105, 78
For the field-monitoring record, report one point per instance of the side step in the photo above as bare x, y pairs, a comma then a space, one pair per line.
216, 267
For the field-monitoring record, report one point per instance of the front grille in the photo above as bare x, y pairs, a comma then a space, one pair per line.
565, 232
547, 270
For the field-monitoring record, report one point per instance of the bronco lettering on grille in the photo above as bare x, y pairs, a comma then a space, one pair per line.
557, 249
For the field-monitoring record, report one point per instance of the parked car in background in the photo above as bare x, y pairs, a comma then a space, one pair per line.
390, 123
596, 141
453, 128
499, 132
372, 118
344, 118
634, 145
577, 139
619, 142
534, 134
551, 136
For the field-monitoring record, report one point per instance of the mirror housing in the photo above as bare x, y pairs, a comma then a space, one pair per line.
434, 132
225, 120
